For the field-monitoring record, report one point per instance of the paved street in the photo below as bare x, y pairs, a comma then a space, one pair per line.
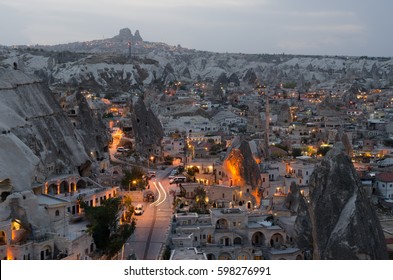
152, 227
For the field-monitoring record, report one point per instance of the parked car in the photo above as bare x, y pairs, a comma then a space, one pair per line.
151, 174
122, 149
138, 209
178, 179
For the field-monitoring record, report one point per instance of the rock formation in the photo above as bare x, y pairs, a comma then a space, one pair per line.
241, 166
39, 143
147, 129
35, 127
284, 114
137, 36
125, 34
338, 222
293, 198
250, 76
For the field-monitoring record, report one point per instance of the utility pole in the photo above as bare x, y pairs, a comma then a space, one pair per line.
267, 125
185, 148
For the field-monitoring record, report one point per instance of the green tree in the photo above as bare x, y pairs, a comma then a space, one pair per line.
167, 253
108, 235
192, 170
168, 160
214, 149
388, 142
200, 197
128, 208
296, 152
290, 85
323, 150
135, 174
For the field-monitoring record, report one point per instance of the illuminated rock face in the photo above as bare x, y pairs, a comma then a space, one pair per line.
241, 167
233, 165
339, 221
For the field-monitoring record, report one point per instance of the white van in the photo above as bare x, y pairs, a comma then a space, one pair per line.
138, 209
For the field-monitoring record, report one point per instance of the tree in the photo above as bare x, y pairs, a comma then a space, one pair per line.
296, 152
167, 253
323, 150
388, 142
215, 148
136, 174
200, 197
108, 235
128, 208
168, 160
192, 170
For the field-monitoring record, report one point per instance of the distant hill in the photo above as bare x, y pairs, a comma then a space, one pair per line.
126, 59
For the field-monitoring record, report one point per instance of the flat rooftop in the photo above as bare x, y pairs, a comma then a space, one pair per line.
187, 254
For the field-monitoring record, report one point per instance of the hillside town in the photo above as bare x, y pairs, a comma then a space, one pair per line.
227, 166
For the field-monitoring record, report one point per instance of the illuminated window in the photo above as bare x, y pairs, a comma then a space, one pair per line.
16, 225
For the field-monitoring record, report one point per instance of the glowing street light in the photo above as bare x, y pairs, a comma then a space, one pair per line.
133, 184
151, 158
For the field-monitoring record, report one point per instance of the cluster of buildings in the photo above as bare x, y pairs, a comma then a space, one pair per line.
58, 230
288, 131
301, 128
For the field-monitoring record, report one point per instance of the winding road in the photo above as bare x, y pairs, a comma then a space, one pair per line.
152, 227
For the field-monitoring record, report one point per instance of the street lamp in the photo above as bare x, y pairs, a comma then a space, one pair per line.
151, 158
129, 184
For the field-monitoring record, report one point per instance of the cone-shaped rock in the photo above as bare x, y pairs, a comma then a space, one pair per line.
147, 129
241, 166
343, 223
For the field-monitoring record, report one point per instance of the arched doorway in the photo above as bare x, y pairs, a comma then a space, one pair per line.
222, 224
81, 184
64, 187
46, 253
276, 240
299, 257
211, 256
258, 239
225, 256
237, 241
52, 189
243, 256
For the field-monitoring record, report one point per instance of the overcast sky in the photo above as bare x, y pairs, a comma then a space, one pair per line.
325, 27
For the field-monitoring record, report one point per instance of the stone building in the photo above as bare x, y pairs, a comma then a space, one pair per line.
233, 233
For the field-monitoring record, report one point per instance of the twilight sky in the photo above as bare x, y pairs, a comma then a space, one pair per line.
324, 27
